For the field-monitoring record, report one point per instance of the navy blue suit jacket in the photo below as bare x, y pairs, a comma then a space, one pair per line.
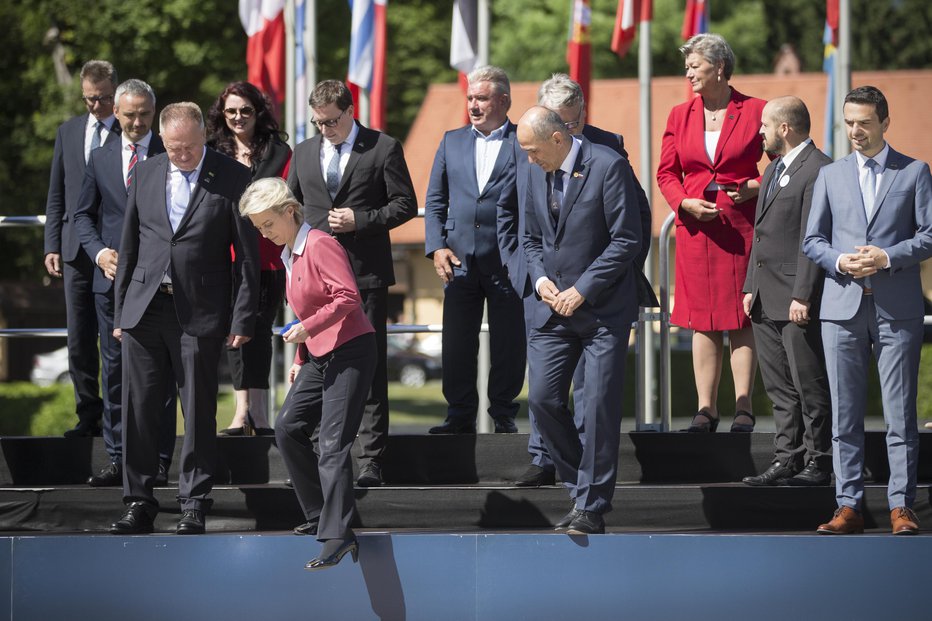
594, 243
65, 181
98, 216
459, 217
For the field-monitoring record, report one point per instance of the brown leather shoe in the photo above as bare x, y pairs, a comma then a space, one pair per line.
904, 521
846, 521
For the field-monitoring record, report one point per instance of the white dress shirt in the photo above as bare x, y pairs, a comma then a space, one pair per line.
327, 151
91, 127
487, 148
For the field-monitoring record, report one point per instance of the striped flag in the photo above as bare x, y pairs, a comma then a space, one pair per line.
367, 55
464, 39
830, 39
579, 47
630, 13
264, 23
696, 19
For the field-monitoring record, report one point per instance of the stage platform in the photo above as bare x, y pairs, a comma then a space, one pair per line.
487, 576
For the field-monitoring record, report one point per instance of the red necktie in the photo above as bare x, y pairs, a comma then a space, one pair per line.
131, 168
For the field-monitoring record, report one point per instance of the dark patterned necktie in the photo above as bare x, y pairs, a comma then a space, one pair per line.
556, 195
771, 188
333, 172
131, 167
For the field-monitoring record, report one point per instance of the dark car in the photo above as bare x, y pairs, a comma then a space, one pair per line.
409, 366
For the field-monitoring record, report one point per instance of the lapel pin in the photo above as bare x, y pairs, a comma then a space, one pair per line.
578, 175
784, 181
731, 116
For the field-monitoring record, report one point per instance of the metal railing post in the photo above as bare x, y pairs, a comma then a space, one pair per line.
664, 259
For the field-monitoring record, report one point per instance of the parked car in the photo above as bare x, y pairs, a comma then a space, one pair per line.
410, 366
50, 368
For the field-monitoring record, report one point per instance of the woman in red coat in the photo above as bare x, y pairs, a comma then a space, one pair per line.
708, 174
332, 372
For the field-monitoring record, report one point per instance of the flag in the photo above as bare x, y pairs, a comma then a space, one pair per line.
367, 55
464, 39
378, 97
578, 48
300, 72
830, 40
630, 13
264, 23
696, 19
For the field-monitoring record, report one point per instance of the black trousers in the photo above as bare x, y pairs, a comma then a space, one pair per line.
328, 395
81, 317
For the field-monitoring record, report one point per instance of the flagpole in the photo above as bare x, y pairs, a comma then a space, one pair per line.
483, 31
842, 78
484, 360
310, 62
290, 95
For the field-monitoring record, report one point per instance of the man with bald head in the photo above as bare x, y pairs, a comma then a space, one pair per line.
582, 238
782, 292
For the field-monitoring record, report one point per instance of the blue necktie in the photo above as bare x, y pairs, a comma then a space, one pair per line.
181, 196
556, 196
869, 187
333, 172
95, 138
777, 171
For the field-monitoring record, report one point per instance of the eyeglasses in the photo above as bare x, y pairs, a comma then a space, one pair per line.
105, 99
329, 122
245, 112
574, 124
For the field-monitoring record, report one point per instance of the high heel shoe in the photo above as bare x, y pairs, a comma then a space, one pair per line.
244, 430
333, 552
710, 426
737, 427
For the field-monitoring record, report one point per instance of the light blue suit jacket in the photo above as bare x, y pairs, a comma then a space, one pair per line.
901, 225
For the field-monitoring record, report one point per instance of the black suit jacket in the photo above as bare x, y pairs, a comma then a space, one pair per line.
65, 181
376, 185
213, 296
98, 216
778, 270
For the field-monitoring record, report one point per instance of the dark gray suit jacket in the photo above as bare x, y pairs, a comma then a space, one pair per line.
778, 270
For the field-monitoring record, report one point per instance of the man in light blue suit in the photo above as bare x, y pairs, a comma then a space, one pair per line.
473, 173
582, 238
869, 228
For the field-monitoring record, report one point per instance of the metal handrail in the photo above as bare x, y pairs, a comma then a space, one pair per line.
664, 384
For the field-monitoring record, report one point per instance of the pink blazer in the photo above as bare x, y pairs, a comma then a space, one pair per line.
322, 292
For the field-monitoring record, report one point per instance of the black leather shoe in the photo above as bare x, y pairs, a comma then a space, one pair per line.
566, 520
136, 519
84, 429
333, 552
770, 476
370, 475
308, 528
535, 476
289, 483
161, 479
810, 476
109, 476
191, 522
452, 426
505, 425
586, 523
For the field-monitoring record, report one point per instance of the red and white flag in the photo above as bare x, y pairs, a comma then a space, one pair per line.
629, 15
264, 23
579, 48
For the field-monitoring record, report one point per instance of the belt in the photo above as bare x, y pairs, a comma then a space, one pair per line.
166, 288
868, 291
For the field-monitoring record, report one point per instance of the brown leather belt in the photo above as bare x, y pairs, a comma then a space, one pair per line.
166, 288
868, 291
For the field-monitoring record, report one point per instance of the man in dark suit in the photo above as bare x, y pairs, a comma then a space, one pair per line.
64, 256
354, 184
472, 175
869, 228
583, 235
782, 294
98, 222
179, 298
565, 97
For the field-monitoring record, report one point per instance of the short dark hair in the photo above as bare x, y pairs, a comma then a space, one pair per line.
99, 71
870, 95
331, 92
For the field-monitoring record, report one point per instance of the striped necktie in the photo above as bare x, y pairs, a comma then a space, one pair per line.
131, 167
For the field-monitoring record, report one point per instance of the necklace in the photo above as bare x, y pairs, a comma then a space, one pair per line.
714, 112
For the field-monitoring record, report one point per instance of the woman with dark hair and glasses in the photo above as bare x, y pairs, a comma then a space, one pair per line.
240, 124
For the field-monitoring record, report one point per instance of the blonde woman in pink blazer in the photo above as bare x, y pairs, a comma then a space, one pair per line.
332, 371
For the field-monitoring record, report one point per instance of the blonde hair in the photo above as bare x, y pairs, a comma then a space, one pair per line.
269, 193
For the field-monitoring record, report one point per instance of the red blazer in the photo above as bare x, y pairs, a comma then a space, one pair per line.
322, 292
685, 170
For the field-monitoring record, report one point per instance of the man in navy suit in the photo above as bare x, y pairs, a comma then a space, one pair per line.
178, 299
98, 222
582, 238
869, 228
64, 256
473, 173
565, 97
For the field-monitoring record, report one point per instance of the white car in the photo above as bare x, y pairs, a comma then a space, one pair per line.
50, 368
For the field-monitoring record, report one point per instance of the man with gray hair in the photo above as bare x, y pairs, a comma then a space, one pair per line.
98, 221
64, 256
582, 237
179, 297
472, 175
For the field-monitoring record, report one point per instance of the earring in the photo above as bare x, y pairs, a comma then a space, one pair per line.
719, 77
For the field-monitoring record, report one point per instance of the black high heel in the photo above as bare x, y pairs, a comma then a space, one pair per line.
708, 427
737, 427
333, 552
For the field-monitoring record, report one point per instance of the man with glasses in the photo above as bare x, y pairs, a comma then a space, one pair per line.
353, 183
64, 256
